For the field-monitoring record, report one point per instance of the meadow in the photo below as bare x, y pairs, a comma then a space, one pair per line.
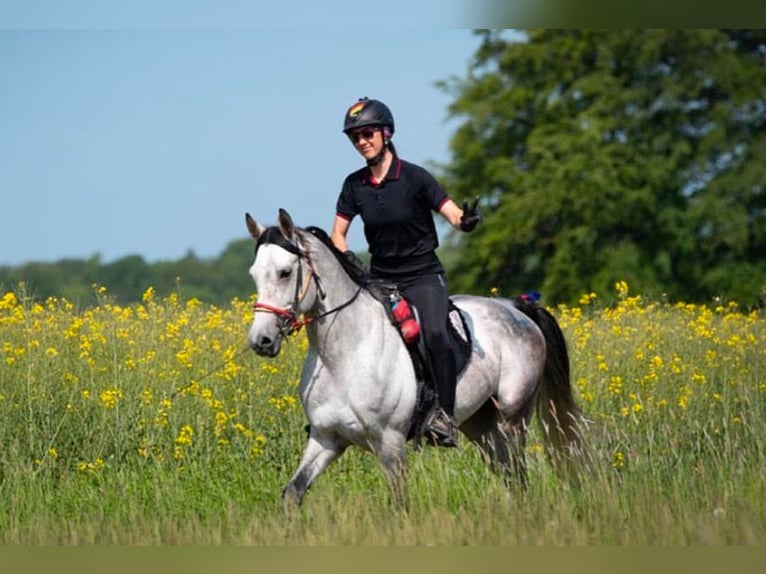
151, 424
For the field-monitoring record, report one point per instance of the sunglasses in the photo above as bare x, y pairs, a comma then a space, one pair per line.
366, 133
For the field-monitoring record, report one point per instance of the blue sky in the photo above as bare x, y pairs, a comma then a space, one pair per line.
156, 141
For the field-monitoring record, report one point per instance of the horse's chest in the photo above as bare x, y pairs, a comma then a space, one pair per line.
356, 404
340, 412
329, 409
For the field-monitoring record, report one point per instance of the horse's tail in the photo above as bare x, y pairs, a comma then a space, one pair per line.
560, 418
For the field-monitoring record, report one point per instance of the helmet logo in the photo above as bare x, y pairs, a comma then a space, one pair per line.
355, 109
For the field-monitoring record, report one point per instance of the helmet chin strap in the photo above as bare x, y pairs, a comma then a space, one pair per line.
377, 159
386, 145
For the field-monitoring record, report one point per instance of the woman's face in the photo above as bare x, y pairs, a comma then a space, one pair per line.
368, 141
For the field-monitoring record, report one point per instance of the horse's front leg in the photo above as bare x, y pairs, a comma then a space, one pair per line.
319, 453
393, 458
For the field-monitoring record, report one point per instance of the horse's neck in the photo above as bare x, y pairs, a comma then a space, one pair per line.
339, 290
337, 285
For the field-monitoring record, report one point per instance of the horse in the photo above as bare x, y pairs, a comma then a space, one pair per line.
359, 384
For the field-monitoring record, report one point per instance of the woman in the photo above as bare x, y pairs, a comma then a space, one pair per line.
396, 199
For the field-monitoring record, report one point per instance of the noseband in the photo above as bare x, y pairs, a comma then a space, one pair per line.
289, 322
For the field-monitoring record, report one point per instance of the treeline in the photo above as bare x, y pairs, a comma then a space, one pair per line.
215, 280
599, 156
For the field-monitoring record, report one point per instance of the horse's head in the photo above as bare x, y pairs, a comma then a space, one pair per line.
285, 280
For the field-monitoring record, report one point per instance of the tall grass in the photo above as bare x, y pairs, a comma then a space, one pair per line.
143, 425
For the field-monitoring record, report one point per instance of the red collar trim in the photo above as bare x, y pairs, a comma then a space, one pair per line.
393, 173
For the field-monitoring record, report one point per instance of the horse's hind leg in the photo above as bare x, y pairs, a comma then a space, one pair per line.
319, 453
510, 440
501, 440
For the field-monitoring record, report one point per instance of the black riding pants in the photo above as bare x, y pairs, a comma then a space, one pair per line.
430, 296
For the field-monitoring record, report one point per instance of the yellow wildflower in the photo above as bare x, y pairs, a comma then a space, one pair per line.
8, 301
91, 467
148, 295
622, 289
185, 435
109, 397
587, 299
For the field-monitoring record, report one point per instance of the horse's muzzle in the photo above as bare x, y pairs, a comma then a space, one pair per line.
266, 347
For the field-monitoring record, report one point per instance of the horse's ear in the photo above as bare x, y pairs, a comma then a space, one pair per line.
285, 223
255, 228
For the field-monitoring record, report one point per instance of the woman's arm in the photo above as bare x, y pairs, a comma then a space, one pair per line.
338, 234
451, 213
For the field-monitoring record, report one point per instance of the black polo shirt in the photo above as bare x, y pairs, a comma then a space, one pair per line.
398, 217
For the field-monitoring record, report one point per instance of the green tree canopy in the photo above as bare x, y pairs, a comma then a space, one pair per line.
613, 155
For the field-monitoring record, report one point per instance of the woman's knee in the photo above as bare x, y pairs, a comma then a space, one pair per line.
437, 340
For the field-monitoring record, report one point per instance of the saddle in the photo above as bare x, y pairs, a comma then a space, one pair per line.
460, 341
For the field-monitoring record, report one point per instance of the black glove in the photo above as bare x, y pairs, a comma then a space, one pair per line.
355, 267
471, 216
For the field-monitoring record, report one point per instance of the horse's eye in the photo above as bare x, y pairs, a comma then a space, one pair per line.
285, 273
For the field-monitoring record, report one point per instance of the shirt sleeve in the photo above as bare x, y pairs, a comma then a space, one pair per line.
434, 193
346, 206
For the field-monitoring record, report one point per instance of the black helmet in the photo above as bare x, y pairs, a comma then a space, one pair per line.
368, 112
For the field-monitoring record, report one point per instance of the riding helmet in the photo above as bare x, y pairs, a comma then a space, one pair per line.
367, 112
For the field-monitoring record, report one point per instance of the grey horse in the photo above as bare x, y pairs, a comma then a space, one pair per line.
358, 384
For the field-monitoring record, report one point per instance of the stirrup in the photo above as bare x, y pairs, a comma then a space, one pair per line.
441, 430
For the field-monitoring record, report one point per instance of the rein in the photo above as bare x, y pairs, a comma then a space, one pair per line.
210, 372
292, 323
296, 324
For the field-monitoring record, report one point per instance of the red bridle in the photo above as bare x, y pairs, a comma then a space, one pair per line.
294, 324
290, 321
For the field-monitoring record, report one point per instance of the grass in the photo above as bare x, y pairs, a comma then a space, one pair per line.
115, 433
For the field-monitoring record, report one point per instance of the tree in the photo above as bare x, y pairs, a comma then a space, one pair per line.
215, 281
126, 278
613, 155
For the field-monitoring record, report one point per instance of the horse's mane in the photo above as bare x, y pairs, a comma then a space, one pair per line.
348, 267
322, 235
